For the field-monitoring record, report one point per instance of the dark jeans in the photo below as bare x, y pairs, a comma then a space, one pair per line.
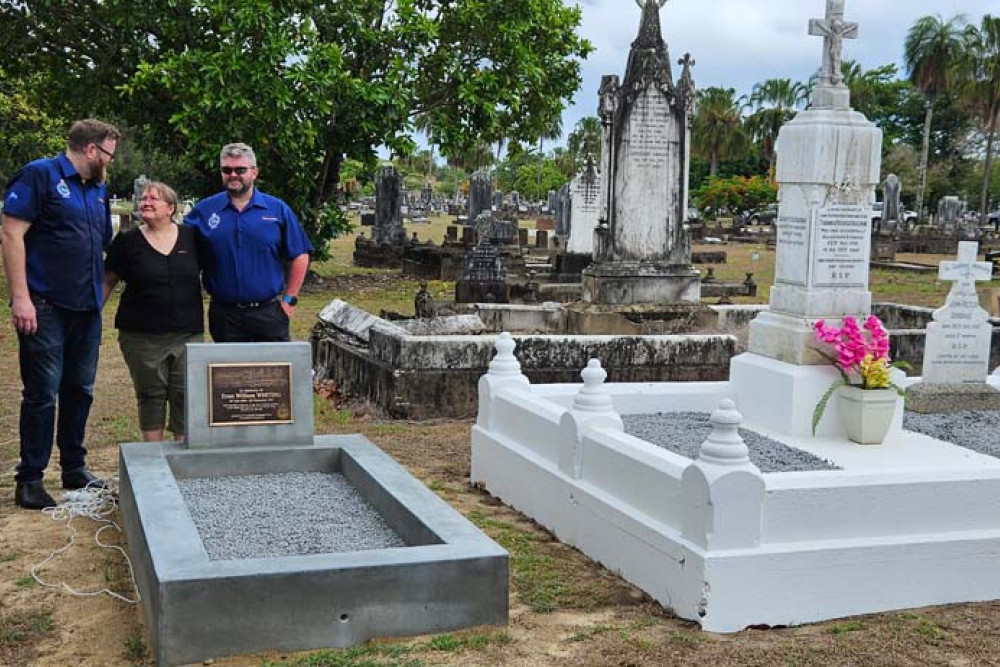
266, 323
59, 361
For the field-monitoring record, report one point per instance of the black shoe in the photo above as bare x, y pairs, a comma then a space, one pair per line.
32, 496
82, 478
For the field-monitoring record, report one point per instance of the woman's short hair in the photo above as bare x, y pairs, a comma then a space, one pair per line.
167, 193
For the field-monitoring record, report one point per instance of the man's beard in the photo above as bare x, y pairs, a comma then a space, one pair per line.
239, 191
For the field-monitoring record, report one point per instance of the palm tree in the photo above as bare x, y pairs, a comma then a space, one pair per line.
775, 102
553, 131
717, 130
584, 140
932, 50
980, 87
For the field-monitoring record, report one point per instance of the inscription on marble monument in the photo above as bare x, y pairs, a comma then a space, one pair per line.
250, 394
841, 246
648, 136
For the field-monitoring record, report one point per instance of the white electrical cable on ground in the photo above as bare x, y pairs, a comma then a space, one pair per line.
96, 504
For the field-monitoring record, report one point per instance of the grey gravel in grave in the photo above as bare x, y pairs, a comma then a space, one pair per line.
289, 514
683, 432
975, 430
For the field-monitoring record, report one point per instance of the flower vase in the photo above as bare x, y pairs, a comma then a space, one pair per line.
866, 414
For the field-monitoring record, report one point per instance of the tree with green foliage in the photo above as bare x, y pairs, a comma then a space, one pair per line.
308, 84
585, 141
28, 132
932, 50
980, 87
717, 132
774, 103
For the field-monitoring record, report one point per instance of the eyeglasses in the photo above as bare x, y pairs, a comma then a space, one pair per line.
238, 170
111, 156
150, 199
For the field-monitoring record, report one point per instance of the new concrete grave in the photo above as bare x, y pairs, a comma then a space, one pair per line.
447, 576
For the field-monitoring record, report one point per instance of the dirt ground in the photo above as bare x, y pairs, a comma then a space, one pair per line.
565, 609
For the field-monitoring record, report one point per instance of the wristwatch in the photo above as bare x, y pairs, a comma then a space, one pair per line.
289, 299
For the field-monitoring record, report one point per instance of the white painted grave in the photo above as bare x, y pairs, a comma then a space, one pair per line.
958, 340
583, 210
907, 524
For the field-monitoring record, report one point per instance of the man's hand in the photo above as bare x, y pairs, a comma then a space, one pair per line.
22, 314
289, 310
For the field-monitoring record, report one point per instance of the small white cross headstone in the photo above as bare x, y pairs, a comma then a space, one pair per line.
957, 348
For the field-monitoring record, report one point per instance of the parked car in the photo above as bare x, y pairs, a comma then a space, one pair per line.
908, 216
764, 216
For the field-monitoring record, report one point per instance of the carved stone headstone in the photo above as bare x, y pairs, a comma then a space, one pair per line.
551, 202
426, 194
562, 212
642, 251
388, 207
949, 210
957, 349
497, 200
480, 194
583, 209
891, 208
138, 185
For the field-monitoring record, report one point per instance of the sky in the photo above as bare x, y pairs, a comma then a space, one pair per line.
737, 43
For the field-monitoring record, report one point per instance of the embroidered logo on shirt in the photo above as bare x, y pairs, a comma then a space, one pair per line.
63, 189
12, 196
214, 220
264, 217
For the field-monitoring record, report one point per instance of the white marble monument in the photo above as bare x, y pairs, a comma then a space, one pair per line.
583, 210
828, 165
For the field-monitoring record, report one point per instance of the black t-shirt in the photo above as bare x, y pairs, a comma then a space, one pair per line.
162, 292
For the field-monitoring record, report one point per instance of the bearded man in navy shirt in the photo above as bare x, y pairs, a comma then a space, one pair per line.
255, 254
56, 227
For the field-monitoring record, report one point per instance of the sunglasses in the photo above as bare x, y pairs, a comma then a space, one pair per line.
234, 170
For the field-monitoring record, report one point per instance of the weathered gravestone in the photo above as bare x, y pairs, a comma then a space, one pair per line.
259, 536
949, 210
480, 195
583, 209
642, 251
892, 215
388, 207
957, 349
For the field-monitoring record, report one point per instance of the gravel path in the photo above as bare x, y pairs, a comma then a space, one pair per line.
683, 432
978, 431
269, 516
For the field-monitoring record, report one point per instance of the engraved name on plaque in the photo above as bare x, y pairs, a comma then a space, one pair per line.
250, 394
841, 246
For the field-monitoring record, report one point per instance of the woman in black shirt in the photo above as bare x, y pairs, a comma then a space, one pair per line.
160, 310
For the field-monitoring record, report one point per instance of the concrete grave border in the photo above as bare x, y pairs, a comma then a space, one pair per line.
195, 608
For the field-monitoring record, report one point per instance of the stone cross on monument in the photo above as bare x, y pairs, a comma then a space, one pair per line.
834, 31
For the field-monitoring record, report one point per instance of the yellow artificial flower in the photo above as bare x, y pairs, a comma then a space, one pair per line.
874, 372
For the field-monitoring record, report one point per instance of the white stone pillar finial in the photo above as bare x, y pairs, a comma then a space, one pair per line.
593, 397
504, 362
724, 446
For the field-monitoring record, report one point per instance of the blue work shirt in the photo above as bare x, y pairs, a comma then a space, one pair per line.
245, 251
70, 229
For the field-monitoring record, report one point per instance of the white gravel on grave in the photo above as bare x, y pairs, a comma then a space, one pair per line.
288, 514
975, 430
683, 432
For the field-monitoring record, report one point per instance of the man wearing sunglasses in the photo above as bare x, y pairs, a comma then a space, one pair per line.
255, 254
56, 227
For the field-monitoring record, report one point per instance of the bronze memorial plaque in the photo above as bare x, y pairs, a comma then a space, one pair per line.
249, 394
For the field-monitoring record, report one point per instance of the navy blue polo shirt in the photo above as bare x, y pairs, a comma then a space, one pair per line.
70, 229
245, 251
